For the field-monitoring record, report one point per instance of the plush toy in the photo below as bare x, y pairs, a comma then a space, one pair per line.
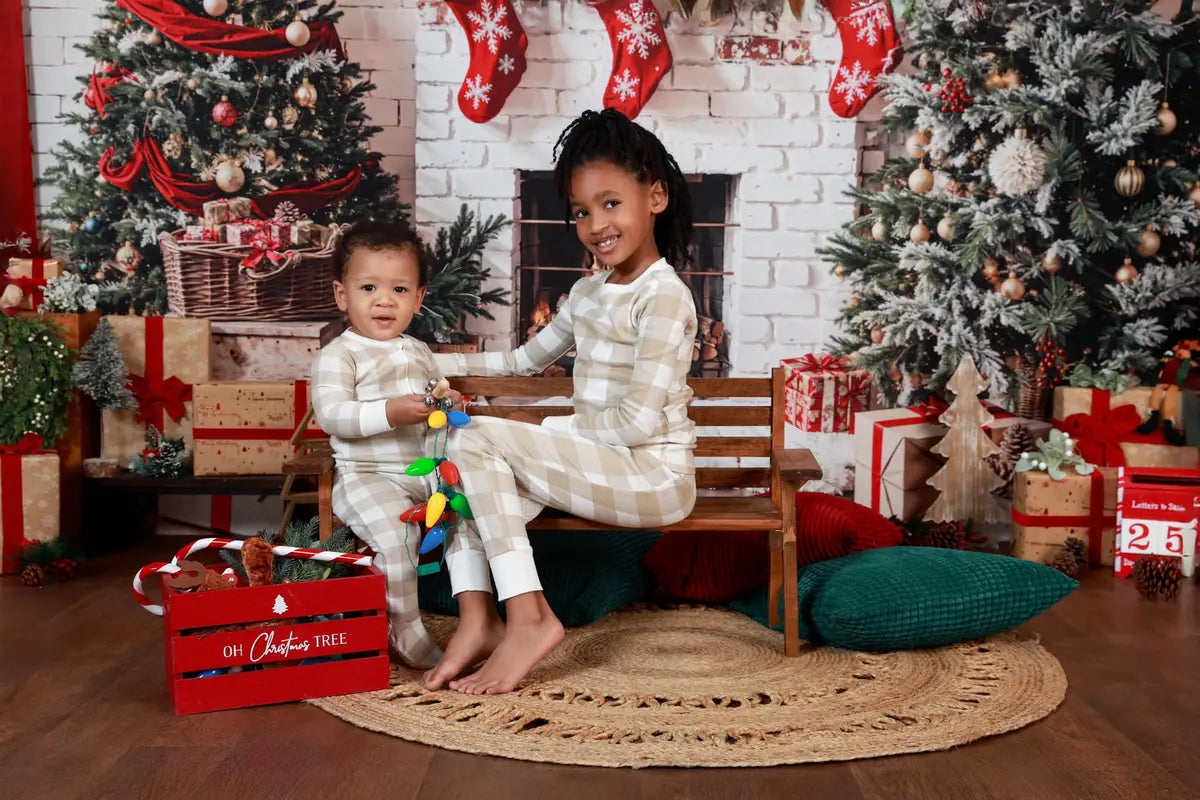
195, 576
1180, 371
259, 561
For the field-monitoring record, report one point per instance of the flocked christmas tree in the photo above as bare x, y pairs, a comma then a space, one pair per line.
195, 100
101, 373
1046, 210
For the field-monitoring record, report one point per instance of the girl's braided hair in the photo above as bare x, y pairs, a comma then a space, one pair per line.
609, 135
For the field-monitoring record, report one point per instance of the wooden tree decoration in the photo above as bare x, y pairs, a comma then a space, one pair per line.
966, 481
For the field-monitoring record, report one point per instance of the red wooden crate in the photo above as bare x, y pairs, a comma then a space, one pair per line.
312, 621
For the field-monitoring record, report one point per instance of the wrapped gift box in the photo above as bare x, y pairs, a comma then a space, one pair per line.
31, 274
1047, 512
29, 500
245, 427
822, 393
1106, 426
244, 515
240, 233
226, 210
268, 351
167, 355
893, 461
1157, 514
891, 499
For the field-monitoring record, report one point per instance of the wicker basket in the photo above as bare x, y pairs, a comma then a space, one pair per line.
205, 279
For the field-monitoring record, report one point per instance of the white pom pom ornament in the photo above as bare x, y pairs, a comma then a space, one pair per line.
1017, 166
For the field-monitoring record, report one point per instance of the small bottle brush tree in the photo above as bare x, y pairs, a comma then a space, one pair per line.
101, 371
35, 380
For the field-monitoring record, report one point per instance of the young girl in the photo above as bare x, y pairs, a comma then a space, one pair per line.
625, 457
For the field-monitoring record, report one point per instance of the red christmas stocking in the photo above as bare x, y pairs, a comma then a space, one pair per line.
497, 42
870, 48
641, 56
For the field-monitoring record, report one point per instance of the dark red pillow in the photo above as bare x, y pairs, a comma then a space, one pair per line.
709, 567
828, 526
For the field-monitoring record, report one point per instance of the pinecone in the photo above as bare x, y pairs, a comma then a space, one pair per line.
950, 535
1155, 575
287, 211
1078, 548
33, 575
1017, 439
1066, 563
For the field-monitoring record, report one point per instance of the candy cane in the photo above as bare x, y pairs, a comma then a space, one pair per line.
217, 543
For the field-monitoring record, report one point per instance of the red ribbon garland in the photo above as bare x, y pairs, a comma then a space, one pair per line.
187, 194
157, 397
220, 38
12, 499
1099, 434
299, 409
97, 95
1095, 520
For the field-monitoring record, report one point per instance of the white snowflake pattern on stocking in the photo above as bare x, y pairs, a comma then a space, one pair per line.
624, 85
870, 18
853, 82
506, 64
491, 28
638, 33
477, 92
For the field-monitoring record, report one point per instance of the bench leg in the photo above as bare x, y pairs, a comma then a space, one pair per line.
325, 505
791, 600
775, 585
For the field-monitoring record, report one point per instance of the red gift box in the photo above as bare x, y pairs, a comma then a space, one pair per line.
822, 393
1157, 512
325, 638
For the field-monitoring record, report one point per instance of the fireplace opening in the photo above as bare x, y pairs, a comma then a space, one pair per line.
551, 259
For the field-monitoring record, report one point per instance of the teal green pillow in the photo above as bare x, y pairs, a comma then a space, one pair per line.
585, 574
899, 598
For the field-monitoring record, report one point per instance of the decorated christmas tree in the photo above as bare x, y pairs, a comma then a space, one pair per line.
197, 100
1046, 211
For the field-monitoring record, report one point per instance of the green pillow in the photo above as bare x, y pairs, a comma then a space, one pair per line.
899, 598
585, 574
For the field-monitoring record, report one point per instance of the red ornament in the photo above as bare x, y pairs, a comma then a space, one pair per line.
449, 472
224, 114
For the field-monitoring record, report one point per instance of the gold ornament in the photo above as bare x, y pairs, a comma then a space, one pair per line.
1012, 288
270, 157
919, 233
1012, 79
877, 334
150, 95
1194, 195
991, 268
153, 39
1129, 180
916, 143
305, 94
1170, 162
192, 84
852, 301
879, 230
229, 176
290, 116
1148, 244
921, 180
347, 85
1127, 273
172, 147
216, 8
270, 123
128, 256
841, 270
995, 81
1052, 262
1166, 120
945, 228
296, 32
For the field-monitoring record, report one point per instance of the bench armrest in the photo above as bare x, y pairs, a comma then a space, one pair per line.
796, 465
309, 464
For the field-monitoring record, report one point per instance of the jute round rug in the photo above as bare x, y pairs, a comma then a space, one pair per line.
702, 687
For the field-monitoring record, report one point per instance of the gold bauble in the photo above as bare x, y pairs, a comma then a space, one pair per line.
991, 268
192, 84
270, 123
305, 94
1012, 288
229, 177
128, 256
154, 39
852, 301
1166, 120
919, 233
916, 143
879, 230
945, 227
1129, 180
841, 271
347, 85
1052, 262
995, 81
921, 180
1012, 79
270, 157
877, 334
296, 33
290, 116
1148, 244
1194, 195
149, 95
216, 8
1127, 273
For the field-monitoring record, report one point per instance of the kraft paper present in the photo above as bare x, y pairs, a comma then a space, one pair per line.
1097, 416
1047, 512
226, 210
169, 355
29, 503
245, 427
31, 274
891, 500
268, 351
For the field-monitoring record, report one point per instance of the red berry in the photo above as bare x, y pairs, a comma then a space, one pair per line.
946, 73
928, 86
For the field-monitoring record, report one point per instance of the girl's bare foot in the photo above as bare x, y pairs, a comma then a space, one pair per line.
479, 633
532, 632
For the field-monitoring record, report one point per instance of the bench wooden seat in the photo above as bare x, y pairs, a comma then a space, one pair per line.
740, 421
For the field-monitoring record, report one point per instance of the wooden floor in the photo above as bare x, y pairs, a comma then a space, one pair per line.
84, 713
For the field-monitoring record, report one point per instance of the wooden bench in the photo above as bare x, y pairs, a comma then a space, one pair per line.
723, 403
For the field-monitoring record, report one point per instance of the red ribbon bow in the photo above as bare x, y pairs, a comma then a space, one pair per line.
1098, 436
261, 249
29, 444
932, 408
810, 363
156, 398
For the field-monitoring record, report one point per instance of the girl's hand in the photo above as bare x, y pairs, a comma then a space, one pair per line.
409, 409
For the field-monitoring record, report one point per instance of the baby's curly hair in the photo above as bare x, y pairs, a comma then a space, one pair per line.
378, 234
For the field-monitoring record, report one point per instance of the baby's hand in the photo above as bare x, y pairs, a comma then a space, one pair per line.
409, 409
457, 398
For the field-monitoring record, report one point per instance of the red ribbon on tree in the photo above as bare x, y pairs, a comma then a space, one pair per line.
97, 96
1099, 434
12, 499
206, 35
309, 196
157, 397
